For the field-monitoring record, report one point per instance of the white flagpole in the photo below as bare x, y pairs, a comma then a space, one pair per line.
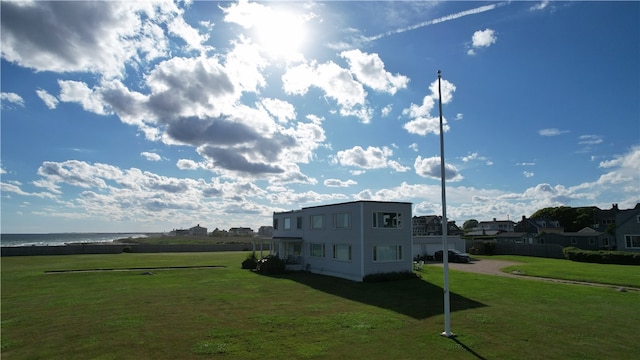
445, 225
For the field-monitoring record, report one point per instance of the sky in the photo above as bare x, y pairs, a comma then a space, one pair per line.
127, 116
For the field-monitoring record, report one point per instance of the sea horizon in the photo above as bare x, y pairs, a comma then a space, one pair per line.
59, 239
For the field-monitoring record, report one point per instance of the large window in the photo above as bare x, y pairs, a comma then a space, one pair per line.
299, 222
275, 224
387, 220
387, 253
632, 241
316, 250
342, 220
287, 223
342, 252
317, 222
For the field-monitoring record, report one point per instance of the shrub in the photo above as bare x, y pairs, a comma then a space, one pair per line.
390, 276
271, 265
601, 256
250, 262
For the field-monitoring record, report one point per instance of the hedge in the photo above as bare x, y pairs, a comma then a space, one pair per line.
601, 256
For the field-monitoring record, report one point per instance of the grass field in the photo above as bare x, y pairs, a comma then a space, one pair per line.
229, 313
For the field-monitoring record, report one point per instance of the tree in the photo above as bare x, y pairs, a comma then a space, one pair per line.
470, 224
572, 219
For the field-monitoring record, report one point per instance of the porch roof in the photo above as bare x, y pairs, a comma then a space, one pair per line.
287, 239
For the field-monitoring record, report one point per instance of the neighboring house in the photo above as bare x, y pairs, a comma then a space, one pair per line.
495, 225
432, 225
198, 231
426, 246
241, 231
628, 229
515, 238
587, 239
265, 231
347, 240
538, 226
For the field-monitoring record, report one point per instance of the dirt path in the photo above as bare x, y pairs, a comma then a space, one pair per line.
492, 267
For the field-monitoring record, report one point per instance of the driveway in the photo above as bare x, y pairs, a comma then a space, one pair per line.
492, 267
484, 266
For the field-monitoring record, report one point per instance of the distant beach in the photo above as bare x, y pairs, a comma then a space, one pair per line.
59, 239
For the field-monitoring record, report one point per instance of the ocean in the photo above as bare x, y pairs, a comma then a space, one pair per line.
62, 238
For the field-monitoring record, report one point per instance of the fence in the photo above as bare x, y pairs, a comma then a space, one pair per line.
539, 250
120, 248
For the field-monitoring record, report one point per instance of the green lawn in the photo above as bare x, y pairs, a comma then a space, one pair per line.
228, 313
623, 275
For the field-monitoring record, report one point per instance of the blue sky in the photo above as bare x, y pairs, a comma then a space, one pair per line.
150, 116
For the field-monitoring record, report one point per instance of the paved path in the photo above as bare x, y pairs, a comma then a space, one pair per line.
492, 267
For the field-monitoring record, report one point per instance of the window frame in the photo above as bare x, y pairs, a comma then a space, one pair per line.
322, 250
349, 252
629, 239
397, 253
312, 223
379, 216
336, 222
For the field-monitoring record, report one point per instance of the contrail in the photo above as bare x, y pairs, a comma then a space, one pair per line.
458, 15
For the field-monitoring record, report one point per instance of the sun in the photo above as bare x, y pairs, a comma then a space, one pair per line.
282, 34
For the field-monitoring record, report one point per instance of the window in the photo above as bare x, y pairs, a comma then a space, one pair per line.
387, 253
287, 223
574, 241
605, 242
317, 222
387, 220
632, 241
342, 221
299, 222
275, 224
592, 240
316, 250
342, 252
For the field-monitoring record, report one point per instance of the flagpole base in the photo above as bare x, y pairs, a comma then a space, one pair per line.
448, 334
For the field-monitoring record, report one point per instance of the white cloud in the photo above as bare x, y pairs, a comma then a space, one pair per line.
371, 158
527, 174
339, 183
337, 83
475, 156
186, 164
369, 70
11, 98
590, 140
282, 110
539, 6
484, 38
49, 100
552, 132
431, 168
386, 110
151, 156
422, 121
79, 92
99, 37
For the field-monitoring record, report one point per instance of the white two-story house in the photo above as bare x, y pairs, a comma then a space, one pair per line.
348, 240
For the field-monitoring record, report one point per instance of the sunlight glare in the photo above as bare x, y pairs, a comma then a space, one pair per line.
281, 34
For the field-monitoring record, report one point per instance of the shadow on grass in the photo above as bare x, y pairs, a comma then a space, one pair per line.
468, 349
416, 298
